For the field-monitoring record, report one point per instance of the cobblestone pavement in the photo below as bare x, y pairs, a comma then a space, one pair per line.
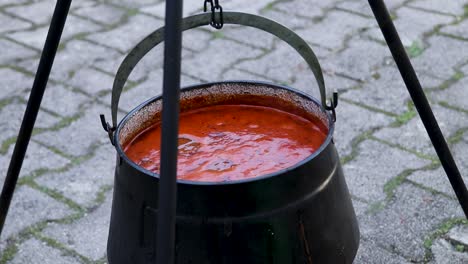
406, 208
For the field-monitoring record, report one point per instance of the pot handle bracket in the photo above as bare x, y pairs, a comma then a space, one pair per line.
264, 24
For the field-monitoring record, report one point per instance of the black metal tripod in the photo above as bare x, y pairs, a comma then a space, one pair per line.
172, 52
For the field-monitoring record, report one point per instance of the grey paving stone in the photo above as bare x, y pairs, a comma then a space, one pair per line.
197, 40
459, 234
445, 253
83, 182
13, 83
102, 13
220, 56
303, 7
12, 51
253, 7
454, 7
10, 24
412, 24
38, 252
459, 30
281, 64
39, 12
375, 165
29, 207
387, 91
33, 161
77, 26
12, 115
133, 3
442, 55
351, 122
369, 252
434, 179
35, 37
126, 36
288, 20
236, 74
359, 7
77, 54
92, 81
248, 35
413, 135
9, 3
87, 236
82, 4
63, 101
79, 137
455, 95
460, 154
345, 23
190, 7
464, 69
359, 61
409, 219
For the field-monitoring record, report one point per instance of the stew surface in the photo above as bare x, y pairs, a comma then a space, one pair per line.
231, 142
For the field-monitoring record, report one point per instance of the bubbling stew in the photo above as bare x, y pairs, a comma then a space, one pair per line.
231, 142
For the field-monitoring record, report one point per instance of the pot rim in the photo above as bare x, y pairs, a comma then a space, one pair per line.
325, 143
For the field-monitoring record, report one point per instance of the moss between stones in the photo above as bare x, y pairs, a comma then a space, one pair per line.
440, 231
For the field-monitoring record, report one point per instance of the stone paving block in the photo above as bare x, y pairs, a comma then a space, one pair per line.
369, 252
288, 20
12, 51
360, 7
87, 236
359, 61
13, 83
11, 116
413, 135
190, 7
102, 13
435, 179
351, 122
124, 37
458, 30
39, 252
77, 26
248, 35
412, 24
459, 234
445, 253
29, 207
236, 74
197, 40
77, 54
220, 56
9, 2
375, 165
282, 64
38, 12
409, 219
455, 95
81, 135
252, 7
91, 81
453, 7
84, 181
10, 24
33, 161
464, 69
304, 8
345, 25
36, 36
133, 4
442, 55
62, 100
386, 92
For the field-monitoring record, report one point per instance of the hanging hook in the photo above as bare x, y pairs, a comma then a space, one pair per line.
215, 8
333, 105
108, 128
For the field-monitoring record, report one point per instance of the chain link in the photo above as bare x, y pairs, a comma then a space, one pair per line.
216, 13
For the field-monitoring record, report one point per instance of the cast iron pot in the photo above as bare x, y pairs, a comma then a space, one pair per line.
302, 214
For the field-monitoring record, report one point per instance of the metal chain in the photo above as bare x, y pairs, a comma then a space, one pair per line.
216, 20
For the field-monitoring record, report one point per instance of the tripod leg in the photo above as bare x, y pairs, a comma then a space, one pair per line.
420, 101
34, 103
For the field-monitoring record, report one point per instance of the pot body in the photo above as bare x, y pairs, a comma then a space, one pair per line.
302, 214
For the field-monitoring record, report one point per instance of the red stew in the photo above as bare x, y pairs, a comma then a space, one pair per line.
231, 142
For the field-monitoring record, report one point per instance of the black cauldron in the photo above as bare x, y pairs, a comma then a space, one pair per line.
302, 214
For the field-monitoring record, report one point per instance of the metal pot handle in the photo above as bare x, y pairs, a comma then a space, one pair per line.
152, 40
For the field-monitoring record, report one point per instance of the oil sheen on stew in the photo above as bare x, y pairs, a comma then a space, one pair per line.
231, 142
